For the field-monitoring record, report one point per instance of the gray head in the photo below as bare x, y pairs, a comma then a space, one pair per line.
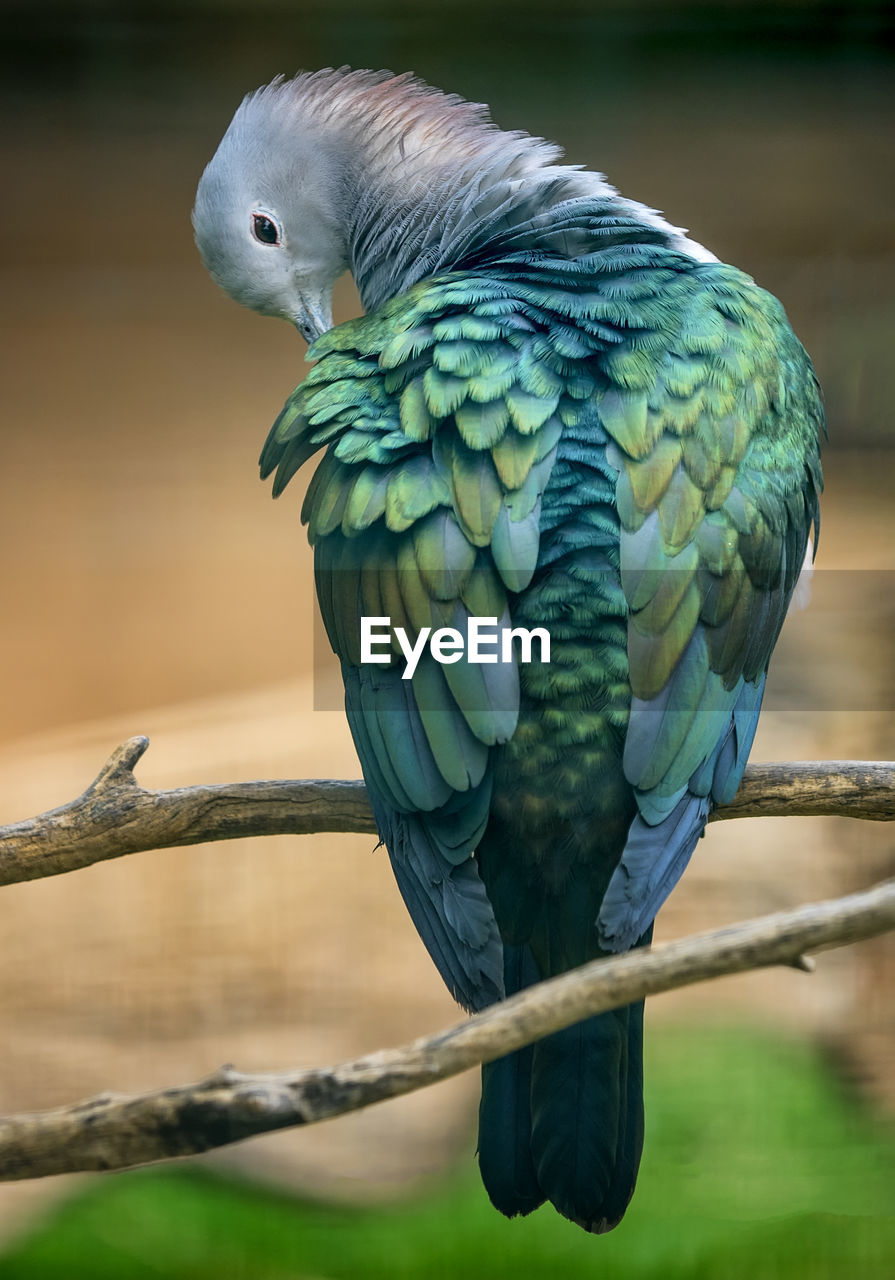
269, 213
339, 169
379, 174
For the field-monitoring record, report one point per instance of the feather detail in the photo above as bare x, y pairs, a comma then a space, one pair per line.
575, 427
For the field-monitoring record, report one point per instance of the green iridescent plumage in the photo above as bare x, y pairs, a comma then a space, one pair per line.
631, 461
562, 414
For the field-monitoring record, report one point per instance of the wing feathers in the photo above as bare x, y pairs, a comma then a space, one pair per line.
441, 416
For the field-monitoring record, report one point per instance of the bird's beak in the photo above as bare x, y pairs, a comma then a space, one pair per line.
315, 314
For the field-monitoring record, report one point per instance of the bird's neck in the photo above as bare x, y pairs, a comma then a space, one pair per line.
416, 217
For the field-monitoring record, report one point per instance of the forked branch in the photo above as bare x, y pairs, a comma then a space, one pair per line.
116, 816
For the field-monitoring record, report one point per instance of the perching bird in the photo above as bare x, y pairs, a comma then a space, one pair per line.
558, 412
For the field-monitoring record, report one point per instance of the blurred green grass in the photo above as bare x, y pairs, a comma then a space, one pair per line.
759, 1163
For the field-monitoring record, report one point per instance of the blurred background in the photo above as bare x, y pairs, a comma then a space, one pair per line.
151, 586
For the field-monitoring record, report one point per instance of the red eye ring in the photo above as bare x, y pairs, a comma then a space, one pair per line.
264, 229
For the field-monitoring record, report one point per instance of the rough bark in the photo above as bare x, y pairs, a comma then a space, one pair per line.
112, 1132
116, 816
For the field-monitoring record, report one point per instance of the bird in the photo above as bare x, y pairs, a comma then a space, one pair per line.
557, 411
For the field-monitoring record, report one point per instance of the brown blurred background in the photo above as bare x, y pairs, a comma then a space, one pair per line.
150, 585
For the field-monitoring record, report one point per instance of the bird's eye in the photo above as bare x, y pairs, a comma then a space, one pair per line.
265, 229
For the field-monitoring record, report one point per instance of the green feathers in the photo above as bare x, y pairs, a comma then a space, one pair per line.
715, 493
440, 427
467, 429
441, 415
714, 421
632, 468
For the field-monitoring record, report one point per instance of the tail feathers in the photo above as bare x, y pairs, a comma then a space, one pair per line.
505, 1157
562, 1120
587, 1128
587, 1117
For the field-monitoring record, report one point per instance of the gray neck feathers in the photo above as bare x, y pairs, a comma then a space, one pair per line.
430, 182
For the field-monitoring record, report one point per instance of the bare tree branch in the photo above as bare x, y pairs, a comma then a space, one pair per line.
116, 816
113, 1132
815, 788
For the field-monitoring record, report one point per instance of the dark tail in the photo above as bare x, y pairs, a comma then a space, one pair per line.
562, 1120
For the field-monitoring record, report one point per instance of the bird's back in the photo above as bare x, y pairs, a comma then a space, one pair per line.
619, 448
561, 416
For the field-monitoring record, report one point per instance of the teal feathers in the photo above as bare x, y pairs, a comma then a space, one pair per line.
558, 415
621, 449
